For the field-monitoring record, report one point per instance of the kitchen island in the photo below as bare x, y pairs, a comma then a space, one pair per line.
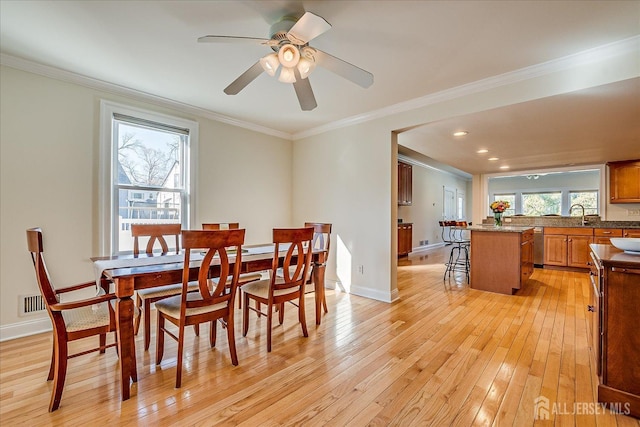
501, 257
612, 317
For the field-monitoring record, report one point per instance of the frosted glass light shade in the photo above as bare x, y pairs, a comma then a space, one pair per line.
305, 67
287, 75
270, 64
289, 55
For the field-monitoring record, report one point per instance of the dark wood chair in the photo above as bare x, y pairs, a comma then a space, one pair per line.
221, 226
157, 234
321, 241
244, 277
213, 301
289, 287
72, 320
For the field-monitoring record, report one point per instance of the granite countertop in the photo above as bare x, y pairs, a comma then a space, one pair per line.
564, 221
503, 229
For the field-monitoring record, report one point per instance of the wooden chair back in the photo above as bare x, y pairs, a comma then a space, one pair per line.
214, 242
155, 233
221, 226
297, 262
34, 243
321, 235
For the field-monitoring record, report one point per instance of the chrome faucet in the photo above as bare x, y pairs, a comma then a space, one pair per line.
583, 221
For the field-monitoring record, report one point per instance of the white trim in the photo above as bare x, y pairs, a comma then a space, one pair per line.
414, 162
105, 180
25, 329
597, 54
378, 295
68, 76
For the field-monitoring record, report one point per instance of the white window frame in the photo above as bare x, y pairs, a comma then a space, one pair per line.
106, 208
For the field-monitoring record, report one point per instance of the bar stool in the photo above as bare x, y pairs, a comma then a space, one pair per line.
459, 255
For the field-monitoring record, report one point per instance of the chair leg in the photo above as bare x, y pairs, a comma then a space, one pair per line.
213, 332
53, 361
324, 304
147, 323
160, 339
281, 313
302, 315
103, 342
231, 337
196, 329
180, 351
61, 357
245, 315
136, 321
269, 326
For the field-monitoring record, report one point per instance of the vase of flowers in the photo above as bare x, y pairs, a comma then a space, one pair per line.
498, 207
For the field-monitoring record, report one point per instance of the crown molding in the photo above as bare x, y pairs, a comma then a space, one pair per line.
70, 77
597, 54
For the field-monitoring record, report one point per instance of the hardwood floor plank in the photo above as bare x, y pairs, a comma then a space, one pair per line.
442, 354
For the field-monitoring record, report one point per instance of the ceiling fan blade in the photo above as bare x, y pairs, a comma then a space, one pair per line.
344, 69
308, 27
245, 78
234, 39
304, 92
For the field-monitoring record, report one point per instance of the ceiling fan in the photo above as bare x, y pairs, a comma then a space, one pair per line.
292, 55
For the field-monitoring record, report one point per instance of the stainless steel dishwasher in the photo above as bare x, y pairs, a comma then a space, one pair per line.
538, 246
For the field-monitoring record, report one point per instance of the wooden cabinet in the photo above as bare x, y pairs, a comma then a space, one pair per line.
404, 239
567, 246
631, 232
618, 335
624, 181
405, 186
602, 235
526, 255
501, 261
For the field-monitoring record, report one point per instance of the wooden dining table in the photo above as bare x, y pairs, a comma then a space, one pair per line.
128, 279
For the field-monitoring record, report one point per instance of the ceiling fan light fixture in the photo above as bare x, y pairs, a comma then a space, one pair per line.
306, 67
270, 64
287, 75
289, 55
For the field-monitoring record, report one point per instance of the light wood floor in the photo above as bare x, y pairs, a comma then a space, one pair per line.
441, 355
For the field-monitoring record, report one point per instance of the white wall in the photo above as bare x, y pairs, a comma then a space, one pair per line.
49, 173
427, 203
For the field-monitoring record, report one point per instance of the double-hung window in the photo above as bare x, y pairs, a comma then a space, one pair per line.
146, 172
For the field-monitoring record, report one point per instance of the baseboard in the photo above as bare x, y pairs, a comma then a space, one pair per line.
427, 247
24, 329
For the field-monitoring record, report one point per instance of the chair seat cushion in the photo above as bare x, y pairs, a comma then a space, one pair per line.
94, 316
242, 278
171, 306
165, 291
260, 288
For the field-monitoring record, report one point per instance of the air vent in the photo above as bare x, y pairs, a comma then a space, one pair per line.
31, 304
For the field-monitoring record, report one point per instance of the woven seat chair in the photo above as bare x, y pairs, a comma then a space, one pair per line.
72, 320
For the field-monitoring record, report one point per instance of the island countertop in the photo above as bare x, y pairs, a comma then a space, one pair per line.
609, 255
503, 229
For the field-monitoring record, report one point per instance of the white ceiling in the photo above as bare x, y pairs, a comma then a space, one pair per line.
413, 49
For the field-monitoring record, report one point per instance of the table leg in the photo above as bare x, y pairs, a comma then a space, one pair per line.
318, 284
126, 344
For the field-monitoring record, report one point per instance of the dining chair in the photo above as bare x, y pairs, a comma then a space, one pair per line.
220, 225
213, 301
321, 241
72, 320
157, 234
276, 290
244, 277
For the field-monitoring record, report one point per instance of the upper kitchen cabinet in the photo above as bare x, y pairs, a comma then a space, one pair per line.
405, 174
624, 181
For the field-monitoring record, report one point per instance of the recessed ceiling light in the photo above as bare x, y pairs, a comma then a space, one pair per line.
493, 159
461, 133
504, 167
482, 151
